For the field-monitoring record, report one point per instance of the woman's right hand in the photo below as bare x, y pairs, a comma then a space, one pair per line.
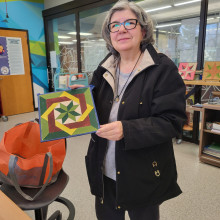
75, 86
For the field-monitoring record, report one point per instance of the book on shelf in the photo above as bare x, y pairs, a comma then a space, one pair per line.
63, 82
212, 154
212, 149
216, 131
214, 146
216, 125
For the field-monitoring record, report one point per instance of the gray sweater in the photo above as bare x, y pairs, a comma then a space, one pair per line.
109, 162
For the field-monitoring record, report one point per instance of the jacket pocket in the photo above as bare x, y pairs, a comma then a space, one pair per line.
162, 159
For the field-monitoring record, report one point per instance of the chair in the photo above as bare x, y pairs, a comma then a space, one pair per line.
40, 204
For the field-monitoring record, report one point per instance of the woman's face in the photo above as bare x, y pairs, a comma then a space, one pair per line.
126, 40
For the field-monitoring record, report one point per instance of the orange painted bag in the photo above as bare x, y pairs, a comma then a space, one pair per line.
27, 162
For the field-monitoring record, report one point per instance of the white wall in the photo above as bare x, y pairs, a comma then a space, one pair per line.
53, 3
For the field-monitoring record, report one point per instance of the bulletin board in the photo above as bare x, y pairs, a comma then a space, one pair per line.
16, 85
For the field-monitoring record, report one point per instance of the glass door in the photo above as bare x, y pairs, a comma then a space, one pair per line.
93, 47
62, 46
75, 43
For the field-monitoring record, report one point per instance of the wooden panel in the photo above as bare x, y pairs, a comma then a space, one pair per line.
16, 90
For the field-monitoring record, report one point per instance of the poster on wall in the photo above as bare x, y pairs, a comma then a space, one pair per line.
11, 56
187, 70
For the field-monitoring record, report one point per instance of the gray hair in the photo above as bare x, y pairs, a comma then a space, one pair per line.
142, 17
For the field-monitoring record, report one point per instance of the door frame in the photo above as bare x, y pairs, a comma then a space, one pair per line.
68, 8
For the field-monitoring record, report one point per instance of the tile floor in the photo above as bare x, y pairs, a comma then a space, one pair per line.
200, 182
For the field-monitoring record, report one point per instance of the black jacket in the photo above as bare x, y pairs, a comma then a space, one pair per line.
152, 111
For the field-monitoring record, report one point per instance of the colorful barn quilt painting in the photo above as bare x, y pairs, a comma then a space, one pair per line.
67, 114
187, 70
211, 71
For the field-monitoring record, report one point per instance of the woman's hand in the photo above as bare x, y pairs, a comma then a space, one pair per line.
112, 131
76, 86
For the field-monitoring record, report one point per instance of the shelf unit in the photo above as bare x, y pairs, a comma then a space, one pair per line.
210, 113
196, 116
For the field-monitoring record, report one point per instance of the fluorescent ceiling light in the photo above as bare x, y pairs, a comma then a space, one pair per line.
100, 39
189, 2
167, 25
86, 42
157, 9
66, 43
215, 29
64, 37
160, 31
210, 19
83, 34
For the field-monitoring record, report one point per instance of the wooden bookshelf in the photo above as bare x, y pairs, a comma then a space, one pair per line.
196, 117
211, 113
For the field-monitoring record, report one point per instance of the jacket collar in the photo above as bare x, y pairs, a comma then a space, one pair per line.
150, 58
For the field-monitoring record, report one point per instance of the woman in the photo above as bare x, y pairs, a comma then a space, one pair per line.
140, 102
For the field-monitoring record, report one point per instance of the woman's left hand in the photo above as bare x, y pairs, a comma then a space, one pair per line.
112, 131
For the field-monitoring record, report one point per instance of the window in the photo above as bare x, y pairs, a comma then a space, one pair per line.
176, 27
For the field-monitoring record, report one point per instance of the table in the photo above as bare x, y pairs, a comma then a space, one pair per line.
9, 210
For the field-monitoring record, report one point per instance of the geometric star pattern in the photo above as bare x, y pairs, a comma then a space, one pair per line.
68, 111
211, 71
67, 114
187, 70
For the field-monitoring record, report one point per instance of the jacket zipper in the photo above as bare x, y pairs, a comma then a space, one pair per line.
117, 119
132, 80
102, 168
103, 194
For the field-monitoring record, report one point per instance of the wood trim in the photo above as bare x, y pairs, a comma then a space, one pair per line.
74, 5
201, 83
188, 108
210, 160
213, 107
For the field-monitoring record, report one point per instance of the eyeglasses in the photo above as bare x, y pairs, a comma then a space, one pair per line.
128, 25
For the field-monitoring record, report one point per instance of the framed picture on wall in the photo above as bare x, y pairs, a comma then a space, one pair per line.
211, 71
187, 70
